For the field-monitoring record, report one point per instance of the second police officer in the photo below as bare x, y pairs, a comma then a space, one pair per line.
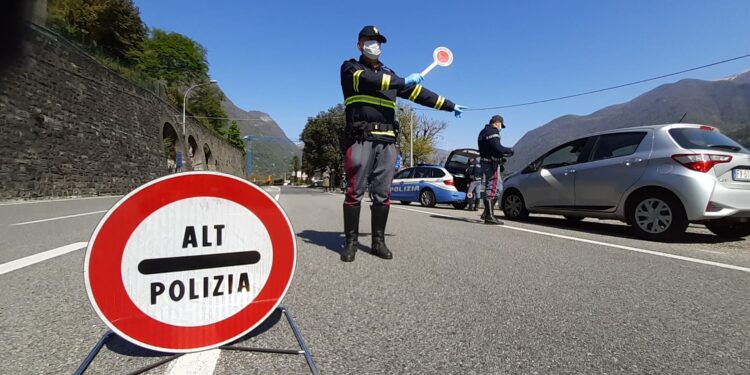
492, 153
370, 90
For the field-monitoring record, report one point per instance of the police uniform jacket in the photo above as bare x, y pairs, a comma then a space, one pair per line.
474, 172
370, 97
489, 144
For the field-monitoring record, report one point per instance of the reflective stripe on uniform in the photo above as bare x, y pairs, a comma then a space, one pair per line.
385, 84
370, 100
439, 103
388, 133
356, 79
415, 93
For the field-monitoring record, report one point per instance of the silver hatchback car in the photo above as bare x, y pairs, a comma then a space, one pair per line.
655, 178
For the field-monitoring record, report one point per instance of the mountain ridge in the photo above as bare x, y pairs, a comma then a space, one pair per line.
723, 103
270, 156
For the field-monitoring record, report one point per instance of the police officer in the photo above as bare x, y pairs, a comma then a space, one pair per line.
370, 91
474, 174
492, 154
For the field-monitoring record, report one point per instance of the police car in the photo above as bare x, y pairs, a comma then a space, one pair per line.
426, 184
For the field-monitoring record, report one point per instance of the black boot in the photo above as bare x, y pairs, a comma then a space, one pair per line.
351, 230
471, 205
489, 213
476, 204
379, 219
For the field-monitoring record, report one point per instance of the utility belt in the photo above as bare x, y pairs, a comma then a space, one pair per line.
493, 159
362, 130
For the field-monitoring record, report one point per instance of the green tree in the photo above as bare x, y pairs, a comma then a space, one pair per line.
322, 135
114, 26
173, 58
235, 138
205, 103
426, 134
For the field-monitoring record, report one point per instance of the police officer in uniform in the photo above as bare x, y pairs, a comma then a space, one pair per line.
474, 174
492, 154
370, 91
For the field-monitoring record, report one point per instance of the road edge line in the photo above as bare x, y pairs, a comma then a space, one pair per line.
40, 257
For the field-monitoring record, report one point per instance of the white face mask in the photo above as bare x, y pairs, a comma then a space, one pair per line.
371, 49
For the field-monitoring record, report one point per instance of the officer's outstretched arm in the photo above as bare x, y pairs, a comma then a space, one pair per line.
421, 95
368, 82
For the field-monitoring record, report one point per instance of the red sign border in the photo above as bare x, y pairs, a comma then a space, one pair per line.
102, 265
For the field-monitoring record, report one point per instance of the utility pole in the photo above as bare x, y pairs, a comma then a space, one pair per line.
411, 139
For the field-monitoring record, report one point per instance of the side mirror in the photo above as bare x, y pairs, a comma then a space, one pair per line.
531, 168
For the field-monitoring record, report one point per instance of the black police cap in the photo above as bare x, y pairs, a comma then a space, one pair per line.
497, 118
372, 32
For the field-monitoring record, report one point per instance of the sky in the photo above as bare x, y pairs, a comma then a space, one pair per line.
283, 58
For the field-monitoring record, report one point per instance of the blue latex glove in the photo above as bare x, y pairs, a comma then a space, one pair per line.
459, 109
413, 79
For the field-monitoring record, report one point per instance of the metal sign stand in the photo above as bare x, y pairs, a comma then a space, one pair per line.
300, 341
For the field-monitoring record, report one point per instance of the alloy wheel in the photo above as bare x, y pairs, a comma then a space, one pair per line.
653, 216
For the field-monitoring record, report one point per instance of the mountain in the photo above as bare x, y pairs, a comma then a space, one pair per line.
724, 104
269, 156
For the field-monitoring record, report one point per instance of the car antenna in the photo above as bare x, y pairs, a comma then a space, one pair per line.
682, 118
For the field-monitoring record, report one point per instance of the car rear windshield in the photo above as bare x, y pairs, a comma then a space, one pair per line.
704, 139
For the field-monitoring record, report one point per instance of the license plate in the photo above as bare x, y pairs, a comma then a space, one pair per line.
741, 175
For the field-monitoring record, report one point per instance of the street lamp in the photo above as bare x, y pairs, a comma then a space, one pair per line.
184, 103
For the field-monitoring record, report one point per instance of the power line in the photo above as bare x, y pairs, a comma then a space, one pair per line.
606, 88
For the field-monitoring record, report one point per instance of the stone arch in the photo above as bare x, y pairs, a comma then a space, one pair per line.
193, 151
208, 158
171, 144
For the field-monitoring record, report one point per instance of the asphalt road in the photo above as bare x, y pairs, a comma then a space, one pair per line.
459, 297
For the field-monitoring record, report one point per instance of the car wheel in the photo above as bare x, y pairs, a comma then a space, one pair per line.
574, 219
514, 207
427, 198
405, 203
460, 205
724, 229
657, 216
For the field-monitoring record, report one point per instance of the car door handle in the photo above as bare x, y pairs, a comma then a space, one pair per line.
632, 161
421, 181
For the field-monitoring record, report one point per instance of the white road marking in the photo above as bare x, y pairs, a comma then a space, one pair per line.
58, 200
629, 248
40, 257
195, 363
58, 218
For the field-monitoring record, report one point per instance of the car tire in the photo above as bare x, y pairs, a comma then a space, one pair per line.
427, 198
657, 216
725, 229
460, 205
514, 207
406, 203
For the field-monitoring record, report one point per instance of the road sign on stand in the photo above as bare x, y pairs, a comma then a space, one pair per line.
190, 262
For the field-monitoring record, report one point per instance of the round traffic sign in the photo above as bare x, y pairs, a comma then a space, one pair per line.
190, 262
443, 56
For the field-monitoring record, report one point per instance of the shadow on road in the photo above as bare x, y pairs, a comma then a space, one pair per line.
121, 346
461, 219
334, 241
619, 230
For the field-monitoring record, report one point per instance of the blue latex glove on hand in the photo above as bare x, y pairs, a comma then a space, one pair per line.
459, 109
413, 79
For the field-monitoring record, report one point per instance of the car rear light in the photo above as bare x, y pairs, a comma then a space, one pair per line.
706, 128
449, 182
701, 162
